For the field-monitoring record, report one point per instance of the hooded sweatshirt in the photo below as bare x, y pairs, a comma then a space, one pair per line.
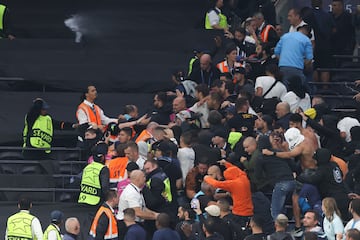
237, 183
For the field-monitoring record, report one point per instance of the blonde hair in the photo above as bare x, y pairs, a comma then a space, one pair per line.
330, 207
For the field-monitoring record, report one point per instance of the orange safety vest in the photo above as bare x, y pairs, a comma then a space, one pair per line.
112, 230
342, 165
265, 33
93, 117
117, 169
144, 136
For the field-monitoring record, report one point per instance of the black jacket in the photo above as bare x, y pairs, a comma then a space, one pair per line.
153, 194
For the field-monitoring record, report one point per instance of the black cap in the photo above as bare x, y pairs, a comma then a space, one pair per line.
131, 166
221, 133
100, 149
240, 70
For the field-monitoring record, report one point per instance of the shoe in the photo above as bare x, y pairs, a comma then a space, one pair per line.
298, 232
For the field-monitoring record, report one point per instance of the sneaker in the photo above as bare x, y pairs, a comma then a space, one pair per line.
298, 232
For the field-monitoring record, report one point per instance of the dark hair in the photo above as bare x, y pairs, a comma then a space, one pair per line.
129, 212
214, 117
163, 220
296, 85
353, 234
274, 70
215, 97
267, 48
355, 206
187, 137
120, 149
240, 30
203, 89
240, 102
187, 208
209, 225
111, 194
296, 11
161, 96
229, 85
258, 220
127, 130
316, 214
132, 145
24, 203
216, 83
152, 161
224, 204
295, 117
229, 48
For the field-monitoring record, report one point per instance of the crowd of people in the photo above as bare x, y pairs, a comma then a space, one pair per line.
225, 153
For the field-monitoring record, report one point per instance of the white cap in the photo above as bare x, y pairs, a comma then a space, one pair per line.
293, 137
213, 210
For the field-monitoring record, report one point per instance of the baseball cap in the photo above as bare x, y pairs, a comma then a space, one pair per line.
56, 216
240, 70
40, 102
213, 210
131, 166
293, 137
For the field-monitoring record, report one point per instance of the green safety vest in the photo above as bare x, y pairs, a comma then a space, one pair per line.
222, 22
19, 226
50, 228
90, 187
167, 190
2, 12
41, 133
192, 60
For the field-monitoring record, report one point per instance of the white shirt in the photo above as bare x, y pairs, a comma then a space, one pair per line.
345, 124
214, 18
295, 102
35, 228
333, 228
140, 162
53, 233
204, 110
83, 118
131, 197
265, 82
294, 29
350, 225
186, 158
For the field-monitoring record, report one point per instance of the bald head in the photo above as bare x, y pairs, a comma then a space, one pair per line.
137, 177
214, 172
179, 104
72, 226
205, 61
282, 109
250, 145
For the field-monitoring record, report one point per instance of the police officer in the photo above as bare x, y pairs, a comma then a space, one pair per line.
23, 225
5, 24
215, 19
104, 225
52, 232
38, 130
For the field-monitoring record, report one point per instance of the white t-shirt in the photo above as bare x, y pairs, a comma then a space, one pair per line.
345, 124
350, 225
333, 228
295, 102
131, 197
265, 82
294, 29
186, 158
204, 110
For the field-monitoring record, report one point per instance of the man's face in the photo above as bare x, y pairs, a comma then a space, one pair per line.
279, 111
203, 168
337, 7
239, 77
157, 102
204, 64
239, 36
177, 106
91, 94
130, 154
181, 214
217, 140
293, 18
294, 124
259, 123
309, 220
148, 167
249, 148
123, 137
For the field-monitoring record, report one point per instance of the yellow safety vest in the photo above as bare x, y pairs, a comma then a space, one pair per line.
90, 187
167, 190
50, 228
19, 226
41, 133
222, 21
2, 13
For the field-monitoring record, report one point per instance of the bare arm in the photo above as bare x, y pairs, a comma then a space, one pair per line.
145, 214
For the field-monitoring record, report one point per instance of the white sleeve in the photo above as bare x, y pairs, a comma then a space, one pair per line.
213, 18
338, 226
291, 99
81, 116
341, 126
36, 229
52, 235
259, 83
106, 120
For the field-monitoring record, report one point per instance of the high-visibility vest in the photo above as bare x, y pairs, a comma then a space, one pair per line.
112, 230
265, 33
167, 190
41, 133
50, 228
92, 115
2, 13
224, 67
90, 187
19, 226
222, 20
144, 136
117, 169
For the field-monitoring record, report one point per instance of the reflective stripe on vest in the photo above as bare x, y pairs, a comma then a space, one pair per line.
93, 117
222, 20
2, 12
265, 33
112, 230
50, 228
223, 67
41, 133
191, 65
167, 190
90, 187
19, 226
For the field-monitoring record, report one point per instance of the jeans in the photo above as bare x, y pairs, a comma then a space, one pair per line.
281, 190
289, 72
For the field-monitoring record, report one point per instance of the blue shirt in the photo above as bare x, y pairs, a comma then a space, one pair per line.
135, 232
293, 48
166, 234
